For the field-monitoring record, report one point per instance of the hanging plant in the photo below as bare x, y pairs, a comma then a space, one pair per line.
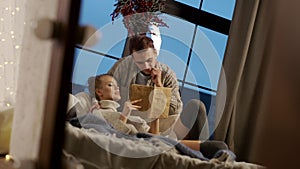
139, 14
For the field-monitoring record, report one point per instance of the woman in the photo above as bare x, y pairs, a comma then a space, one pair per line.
106, 91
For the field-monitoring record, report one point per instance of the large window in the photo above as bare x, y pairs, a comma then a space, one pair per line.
223, 8
193, 45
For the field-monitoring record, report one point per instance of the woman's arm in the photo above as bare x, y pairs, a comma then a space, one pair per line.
128, 107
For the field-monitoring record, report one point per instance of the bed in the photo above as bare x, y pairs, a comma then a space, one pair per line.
94, 144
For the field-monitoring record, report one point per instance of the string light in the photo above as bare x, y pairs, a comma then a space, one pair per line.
10, 45
8, 158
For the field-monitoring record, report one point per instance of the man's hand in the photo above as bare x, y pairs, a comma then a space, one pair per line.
156, 77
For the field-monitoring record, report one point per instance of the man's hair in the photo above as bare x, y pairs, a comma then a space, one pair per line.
96, 82
140, 42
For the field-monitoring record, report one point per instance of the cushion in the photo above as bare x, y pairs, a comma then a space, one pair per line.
85, 103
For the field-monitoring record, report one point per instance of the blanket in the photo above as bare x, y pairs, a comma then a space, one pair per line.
97, 145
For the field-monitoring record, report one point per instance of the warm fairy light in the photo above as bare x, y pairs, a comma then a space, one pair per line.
8, 157
10, 39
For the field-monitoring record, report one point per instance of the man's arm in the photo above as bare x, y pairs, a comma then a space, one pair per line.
170, 80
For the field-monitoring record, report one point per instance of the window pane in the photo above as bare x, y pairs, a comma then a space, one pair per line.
193, 3
206, 58
197, 72
190, 92
96, 13
218, 40
111, 34
176, 43
89, 64
174, 54
105, 64
223, 8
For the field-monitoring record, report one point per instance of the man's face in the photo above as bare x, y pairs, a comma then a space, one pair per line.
145, 60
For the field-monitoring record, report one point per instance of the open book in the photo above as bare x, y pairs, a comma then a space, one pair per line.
155, 100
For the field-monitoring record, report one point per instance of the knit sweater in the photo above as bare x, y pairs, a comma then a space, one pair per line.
125, 72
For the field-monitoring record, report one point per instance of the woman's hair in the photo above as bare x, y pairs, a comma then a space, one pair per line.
140, 42
96, 82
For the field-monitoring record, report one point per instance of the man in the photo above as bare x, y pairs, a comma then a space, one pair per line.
142, 67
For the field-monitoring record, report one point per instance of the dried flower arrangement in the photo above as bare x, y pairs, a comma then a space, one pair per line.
139, 14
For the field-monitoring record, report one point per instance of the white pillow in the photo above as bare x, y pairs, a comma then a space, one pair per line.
72, 102
85, 103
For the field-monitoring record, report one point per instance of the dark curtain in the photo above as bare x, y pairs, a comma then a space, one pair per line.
242, 79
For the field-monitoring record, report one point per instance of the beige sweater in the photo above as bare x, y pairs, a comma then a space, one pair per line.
125, 72
109, 112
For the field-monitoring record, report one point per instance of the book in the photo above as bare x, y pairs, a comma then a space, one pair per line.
155, 100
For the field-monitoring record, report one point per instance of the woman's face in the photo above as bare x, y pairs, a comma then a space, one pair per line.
109, 89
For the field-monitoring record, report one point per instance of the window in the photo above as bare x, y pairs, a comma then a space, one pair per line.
176, 43
193, 3
223, 8
193, 45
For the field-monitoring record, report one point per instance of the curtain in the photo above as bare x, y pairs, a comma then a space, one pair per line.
278, 146
11, 36
24, 69
242, 81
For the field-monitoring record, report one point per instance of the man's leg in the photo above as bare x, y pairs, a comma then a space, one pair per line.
193, 121
210, 147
